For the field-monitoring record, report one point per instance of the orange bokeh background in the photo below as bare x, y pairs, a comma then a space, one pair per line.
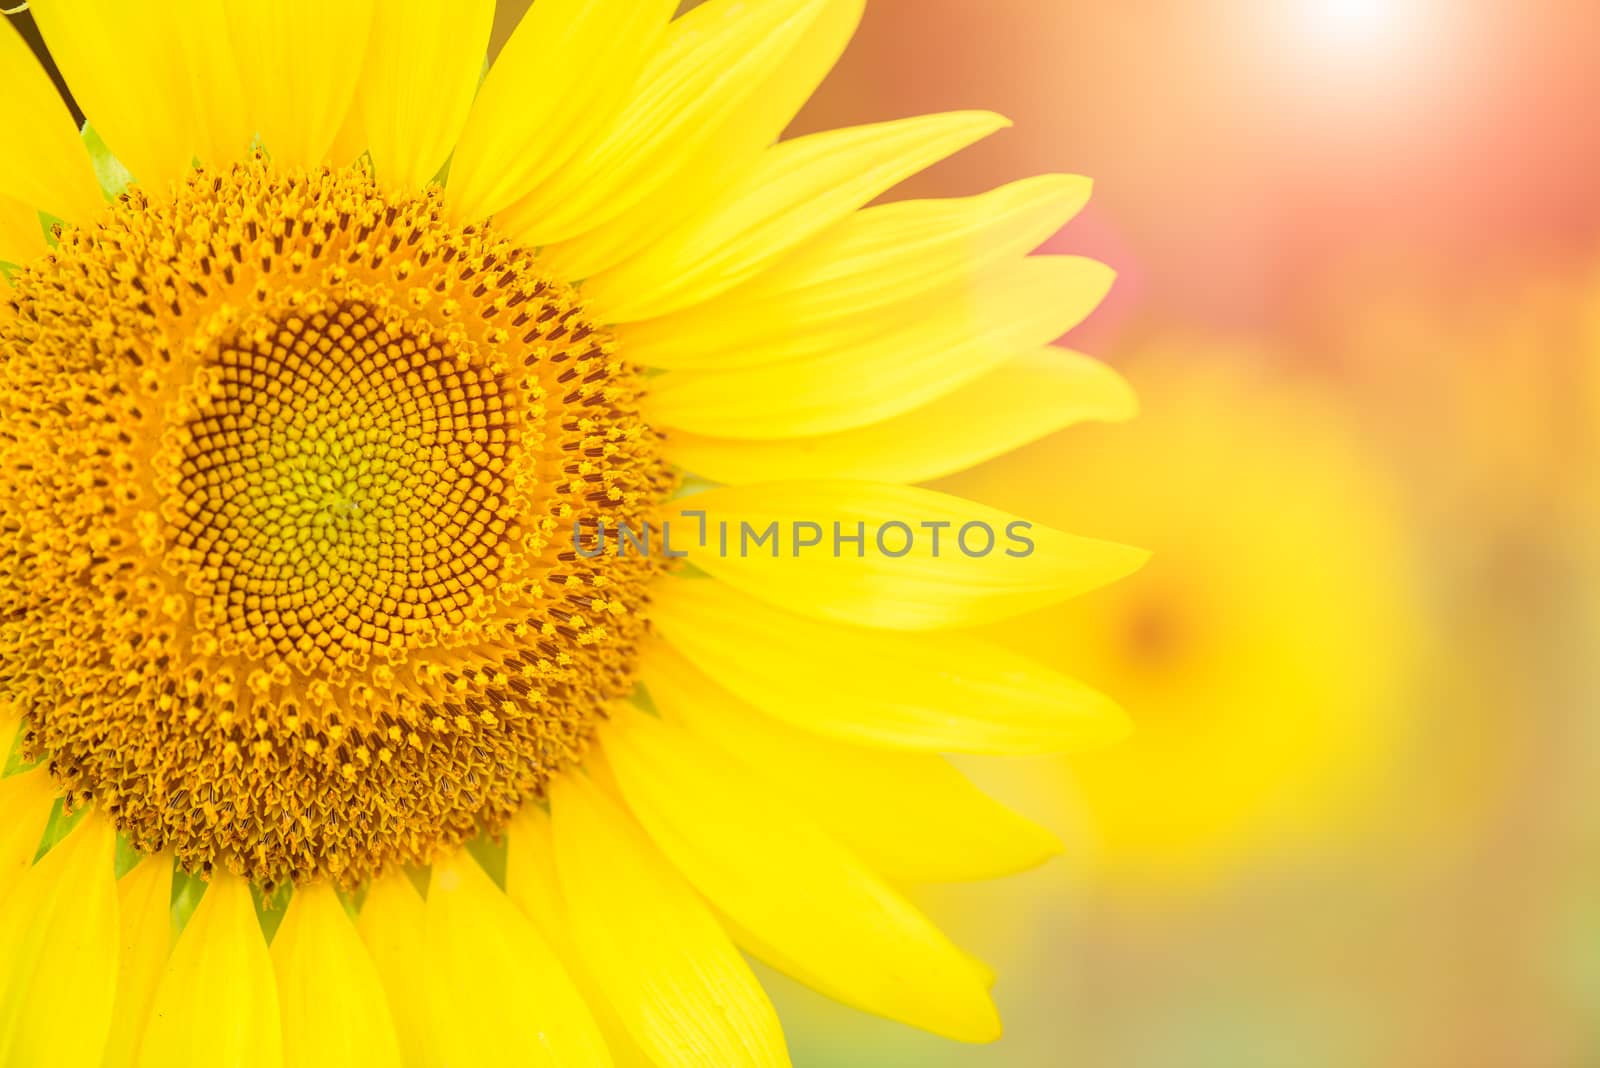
1249, 154
1399, 204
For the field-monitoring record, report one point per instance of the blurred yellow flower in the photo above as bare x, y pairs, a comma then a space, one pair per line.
1261, 652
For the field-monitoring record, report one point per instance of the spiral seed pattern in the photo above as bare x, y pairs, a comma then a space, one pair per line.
289, 469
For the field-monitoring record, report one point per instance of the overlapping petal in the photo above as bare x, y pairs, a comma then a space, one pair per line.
299, 62
144, 900
691, 182
392, 925
911, 816
334, 1010
222, 126
857, 278
917, 559
217, 1002
1039, 393
780, 877
58, 953
799, 189
933, 692
566, 71
26, 799
682, 990
533, 885
422, 72
140, 106
917, 359
497, 994
713, 58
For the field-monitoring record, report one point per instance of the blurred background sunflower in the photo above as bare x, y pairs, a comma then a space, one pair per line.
1248, 645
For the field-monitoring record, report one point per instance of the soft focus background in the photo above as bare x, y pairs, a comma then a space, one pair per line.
1359, 256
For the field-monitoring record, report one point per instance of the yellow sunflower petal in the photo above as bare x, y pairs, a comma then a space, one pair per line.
334, 1010
924, 560
682, 990
144, 901
566, 70
934, 692
42, 160
58, 953
298, 62
1026, 398
762, 951
787, 882
711, 58
925, 354
218, 999
421, 74
800, 188
392, 924
837, 290
910, 816
21, 232
533, 886
498, 994
351, 140
26, 800
223, 126
141, 108
693, 180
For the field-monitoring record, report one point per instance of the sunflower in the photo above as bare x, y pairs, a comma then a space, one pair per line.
338, 736
1267, 654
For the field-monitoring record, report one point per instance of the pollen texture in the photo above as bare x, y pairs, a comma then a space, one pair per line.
289, 472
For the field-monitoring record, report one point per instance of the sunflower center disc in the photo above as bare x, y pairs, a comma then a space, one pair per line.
288, 475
